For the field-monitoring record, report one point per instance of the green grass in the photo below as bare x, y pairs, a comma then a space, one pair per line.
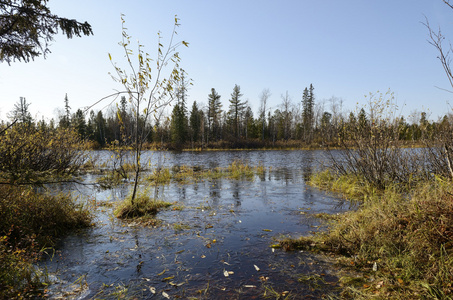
406, 236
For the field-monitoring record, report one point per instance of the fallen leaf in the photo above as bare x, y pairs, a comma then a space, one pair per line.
176, 284
250, 286
203, 256
168, 278
225, 273
162, 273
165, 295
400, 281
256, 267
152, 290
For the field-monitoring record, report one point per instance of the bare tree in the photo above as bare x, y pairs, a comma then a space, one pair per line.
264, 96
436, 38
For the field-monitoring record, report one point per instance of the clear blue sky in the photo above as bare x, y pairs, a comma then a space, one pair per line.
345, 49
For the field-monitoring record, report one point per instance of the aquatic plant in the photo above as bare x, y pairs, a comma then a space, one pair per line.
142, 207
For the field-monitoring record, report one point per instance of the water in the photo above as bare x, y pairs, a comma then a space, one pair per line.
216, 245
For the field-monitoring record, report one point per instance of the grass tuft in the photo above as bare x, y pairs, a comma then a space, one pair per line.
142, 207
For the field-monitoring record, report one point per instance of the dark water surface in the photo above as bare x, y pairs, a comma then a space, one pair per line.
216, 245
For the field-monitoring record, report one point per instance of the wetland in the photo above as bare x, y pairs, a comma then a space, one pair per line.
217, 240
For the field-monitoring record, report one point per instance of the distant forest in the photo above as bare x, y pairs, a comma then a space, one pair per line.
291, 125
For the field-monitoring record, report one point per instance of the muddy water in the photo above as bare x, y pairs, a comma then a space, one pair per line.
214, 243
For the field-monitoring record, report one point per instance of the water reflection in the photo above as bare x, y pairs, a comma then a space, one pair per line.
225, 225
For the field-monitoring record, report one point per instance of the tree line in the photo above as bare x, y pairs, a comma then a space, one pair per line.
303, 123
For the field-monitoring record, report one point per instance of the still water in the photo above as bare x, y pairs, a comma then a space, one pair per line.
215, 245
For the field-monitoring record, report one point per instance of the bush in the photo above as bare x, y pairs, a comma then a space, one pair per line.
31, 222
29, 155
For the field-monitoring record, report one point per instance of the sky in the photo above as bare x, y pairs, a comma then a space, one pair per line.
346, 49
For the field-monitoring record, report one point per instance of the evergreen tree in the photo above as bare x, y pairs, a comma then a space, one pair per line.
28, 26
65, 120
195, 122
21, 113
236, 110
100, 129
178, 126
79, 123
308, 103
214, 114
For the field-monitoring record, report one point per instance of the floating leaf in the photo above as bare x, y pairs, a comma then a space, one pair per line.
165, 295
152, 289
250, 286
268, 230
168, 278
225, 273
162, 273
256, 267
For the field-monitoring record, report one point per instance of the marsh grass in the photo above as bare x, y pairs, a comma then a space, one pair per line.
399, 240
187, 174
160, 176
143, 208
30, 223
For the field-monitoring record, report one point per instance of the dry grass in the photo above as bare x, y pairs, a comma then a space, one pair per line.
143, 207
31, 222
401, 243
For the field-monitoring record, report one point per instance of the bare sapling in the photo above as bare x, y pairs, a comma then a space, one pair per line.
148, 89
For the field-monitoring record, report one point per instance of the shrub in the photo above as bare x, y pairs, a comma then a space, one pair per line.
30, 222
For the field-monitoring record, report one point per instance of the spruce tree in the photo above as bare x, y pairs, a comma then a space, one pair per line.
236, 110
214, 114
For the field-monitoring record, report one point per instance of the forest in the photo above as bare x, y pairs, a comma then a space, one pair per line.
305, 123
